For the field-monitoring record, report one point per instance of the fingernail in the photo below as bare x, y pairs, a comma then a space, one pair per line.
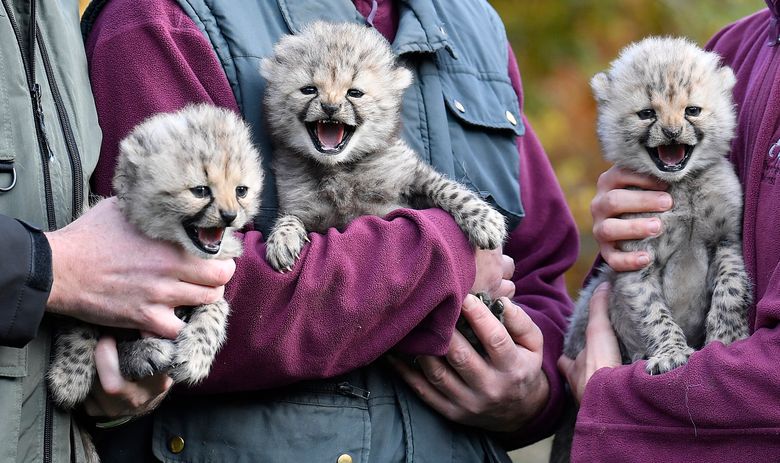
468, 302
643, 260
602, 287
664, 201
654, 226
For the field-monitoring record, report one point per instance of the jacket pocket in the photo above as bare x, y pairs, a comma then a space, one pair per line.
484, 120
13, 362
297, 426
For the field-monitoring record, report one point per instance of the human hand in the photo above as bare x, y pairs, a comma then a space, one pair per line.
494, 274
500, 392
601, 346
613, 199
113, 396
106, 272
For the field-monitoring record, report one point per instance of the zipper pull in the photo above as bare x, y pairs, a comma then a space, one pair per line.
350, 390
35, 93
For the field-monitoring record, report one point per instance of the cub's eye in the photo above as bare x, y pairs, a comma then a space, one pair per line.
646, 114
692, 111
309, 90
201, 191
354, 93
241, 191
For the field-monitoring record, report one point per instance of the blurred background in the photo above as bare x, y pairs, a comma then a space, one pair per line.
560, 45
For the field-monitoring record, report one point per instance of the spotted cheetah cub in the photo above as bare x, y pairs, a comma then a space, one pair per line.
665, 110
333, 103
191, 177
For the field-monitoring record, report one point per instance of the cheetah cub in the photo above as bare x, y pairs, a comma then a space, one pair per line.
191, 177
665, 110
333, 102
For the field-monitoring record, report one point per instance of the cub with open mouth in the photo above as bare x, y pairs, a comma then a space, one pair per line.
333, 105
191, 177
665, 111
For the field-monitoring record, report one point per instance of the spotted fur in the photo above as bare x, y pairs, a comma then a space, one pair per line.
181, 177
695, 289
333, 77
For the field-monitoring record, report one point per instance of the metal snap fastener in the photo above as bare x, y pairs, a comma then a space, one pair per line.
511, 118
344, 458
459, 106
176, 444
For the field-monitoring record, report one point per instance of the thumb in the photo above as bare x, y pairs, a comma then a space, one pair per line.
565, 365
598, 312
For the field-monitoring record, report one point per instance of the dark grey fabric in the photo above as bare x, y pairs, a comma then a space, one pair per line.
25, 281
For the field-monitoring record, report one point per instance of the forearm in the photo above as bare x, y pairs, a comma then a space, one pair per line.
721, 402
398, 281
25, 281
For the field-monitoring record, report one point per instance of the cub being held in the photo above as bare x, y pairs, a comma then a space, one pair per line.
333, 102
191, 177
665, 110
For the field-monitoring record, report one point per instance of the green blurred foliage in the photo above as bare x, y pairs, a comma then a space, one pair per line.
560, 45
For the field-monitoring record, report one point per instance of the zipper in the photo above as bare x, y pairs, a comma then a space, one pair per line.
67, 131
344, 388
35, 97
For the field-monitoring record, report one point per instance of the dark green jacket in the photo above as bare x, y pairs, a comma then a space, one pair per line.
48, 148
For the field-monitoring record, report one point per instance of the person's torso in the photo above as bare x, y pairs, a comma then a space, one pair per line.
45, 187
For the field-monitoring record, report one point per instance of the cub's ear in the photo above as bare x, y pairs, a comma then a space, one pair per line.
267, 67
727, 78
600, 84
402, 78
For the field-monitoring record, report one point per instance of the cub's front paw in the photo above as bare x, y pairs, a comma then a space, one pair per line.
729, 334
192, 361
285, 243
668, 361
145, 357
486, 229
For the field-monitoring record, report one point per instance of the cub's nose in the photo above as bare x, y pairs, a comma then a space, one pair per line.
228, 216
330, 109
671, 132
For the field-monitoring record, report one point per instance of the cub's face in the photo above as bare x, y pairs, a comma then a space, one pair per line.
190, 177
665, 108
334, 92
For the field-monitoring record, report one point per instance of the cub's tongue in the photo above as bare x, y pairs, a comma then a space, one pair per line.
210, 236
671, 154
330, 134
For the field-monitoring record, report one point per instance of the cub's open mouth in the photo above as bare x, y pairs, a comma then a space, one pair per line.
206, 239
329, 136
670, 158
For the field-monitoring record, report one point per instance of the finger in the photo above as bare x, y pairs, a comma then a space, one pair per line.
162, 321
212, 272
467, 363
624, 261
442, 377
521, 328
598, 314
616, 177
179, 293
424, 390
565, 366
507, 266
615, 202
494, 336
506, 289
107, 366
612, 229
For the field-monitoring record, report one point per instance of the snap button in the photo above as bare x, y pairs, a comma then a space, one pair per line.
511, 118
459, 106
176, 444
344, 458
